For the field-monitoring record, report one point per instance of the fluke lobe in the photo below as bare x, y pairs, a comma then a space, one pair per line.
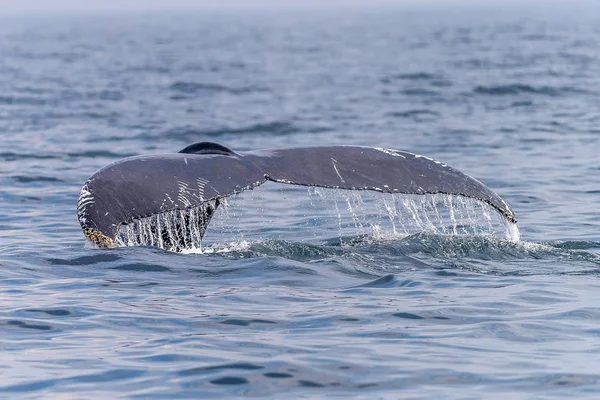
190, 183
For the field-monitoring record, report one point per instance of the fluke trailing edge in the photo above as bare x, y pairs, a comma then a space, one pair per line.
190, 183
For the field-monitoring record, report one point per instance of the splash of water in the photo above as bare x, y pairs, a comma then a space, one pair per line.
351, 213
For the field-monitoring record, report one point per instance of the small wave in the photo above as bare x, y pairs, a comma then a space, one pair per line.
541, 37
9, 156
25, 325
68, 57
23, 100
416, 76
100, 154
156, 69
67, 95
29, 179
385, 281
419, 92
195, 87
411, 92
415, 114
91, 379
105, 95
141, 267
246, 322
524, 103
111, 95
98, 115
221, 367
99, 258
483, 247
53, 312
518, 88
409, 251
32, 90
195, 66
189, 132
575, 245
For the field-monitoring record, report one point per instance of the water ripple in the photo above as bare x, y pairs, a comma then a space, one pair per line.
293, 295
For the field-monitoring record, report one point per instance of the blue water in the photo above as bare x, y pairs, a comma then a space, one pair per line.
289, 304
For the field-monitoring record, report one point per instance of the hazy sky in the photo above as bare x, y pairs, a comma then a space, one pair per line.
26, 6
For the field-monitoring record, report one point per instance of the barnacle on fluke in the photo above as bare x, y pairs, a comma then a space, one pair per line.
98, 238
167, 200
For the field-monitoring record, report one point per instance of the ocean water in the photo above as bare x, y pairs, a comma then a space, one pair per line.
304, 293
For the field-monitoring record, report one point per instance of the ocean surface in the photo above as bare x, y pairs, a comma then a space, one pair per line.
290, 296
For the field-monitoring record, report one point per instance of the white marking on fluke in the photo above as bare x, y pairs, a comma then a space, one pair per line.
336, 169
431, 159
201, 184
85, 199
391, 152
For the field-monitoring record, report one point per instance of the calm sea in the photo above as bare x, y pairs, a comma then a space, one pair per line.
288, 304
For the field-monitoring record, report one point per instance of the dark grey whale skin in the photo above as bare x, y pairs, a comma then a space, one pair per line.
142, 186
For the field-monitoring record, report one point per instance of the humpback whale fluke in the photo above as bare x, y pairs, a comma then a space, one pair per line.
190, 183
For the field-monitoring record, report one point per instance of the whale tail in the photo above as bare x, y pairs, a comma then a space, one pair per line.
168, 200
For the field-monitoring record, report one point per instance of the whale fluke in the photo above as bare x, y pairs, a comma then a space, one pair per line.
190, 183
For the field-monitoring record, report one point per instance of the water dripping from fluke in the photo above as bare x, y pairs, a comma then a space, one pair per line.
175, 230
358, 218
393, 216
